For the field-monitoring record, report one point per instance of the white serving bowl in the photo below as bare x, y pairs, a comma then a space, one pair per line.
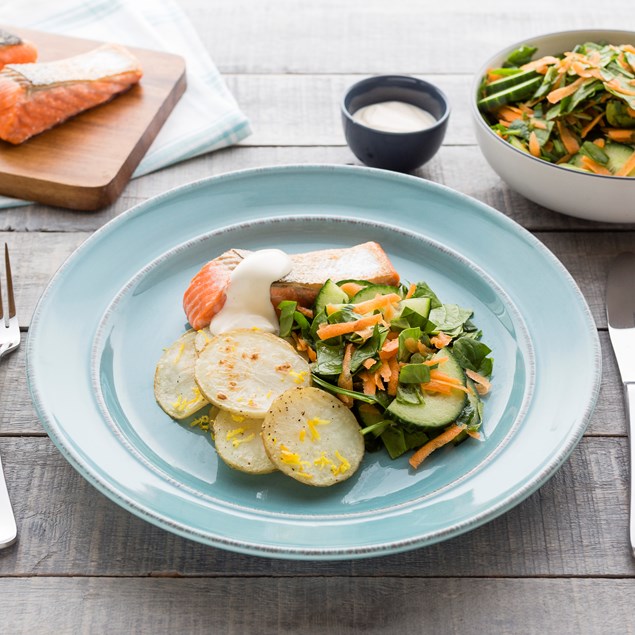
581, 194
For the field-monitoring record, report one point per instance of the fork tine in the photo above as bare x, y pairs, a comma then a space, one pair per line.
9, 282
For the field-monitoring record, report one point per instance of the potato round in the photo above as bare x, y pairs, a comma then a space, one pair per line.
243, 371
239, 444
313, 437
175, 387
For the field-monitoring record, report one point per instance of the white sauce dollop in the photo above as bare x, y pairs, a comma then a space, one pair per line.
394, 116
248, 303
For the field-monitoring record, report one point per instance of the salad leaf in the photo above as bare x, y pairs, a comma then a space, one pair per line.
360, 396
520, 56
409, 318
410, 394
414, 374
450, 318
369, 349
287, 309
394, 440
415, 439
472, 354
329, 358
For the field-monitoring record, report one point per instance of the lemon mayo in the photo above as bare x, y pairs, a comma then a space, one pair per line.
248, 303
394, 116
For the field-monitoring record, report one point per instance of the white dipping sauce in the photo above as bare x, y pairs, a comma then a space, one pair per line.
248, 303
394, 116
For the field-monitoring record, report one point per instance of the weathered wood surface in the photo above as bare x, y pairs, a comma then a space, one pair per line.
17, 416
338, 606
557, 563
575, 525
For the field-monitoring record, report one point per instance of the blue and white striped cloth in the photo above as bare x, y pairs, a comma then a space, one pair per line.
205, 119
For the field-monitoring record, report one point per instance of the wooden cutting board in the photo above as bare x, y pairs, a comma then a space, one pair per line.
85, 163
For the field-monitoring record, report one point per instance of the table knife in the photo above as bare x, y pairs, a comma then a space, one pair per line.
8, 529
620, 311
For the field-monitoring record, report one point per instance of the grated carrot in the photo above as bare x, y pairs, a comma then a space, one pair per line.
534, 144
438, 442
568, 139
345, 380
594, 166
378, 302
389, 349
351, 288
368, 383
312, 354
621, 135
441, 340
326, 331
411, 291
560, 93
393, 382
306, 312
600, 143
437, 386
585, 131
483, 384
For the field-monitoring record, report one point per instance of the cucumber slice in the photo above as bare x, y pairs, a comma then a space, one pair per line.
437, 410
618, 154
419, 305
511, 80
513, 93
371, 291
330, 293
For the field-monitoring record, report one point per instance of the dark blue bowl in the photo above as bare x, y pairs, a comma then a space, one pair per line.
400, 151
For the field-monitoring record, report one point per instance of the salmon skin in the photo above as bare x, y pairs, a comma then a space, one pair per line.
15, 50
207, 292
36, 97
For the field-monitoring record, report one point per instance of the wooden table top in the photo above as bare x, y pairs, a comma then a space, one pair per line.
559, 562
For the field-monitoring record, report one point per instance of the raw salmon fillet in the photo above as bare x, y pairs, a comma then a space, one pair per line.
36, 97
207, 292
15, 50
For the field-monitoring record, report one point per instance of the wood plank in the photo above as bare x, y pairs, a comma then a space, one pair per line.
17, 416
575, 525
587, 255
317, 605
378, 37
461, 168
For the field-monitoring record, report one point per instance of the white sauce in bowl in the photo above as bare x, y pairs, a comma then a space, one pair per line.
394, 116
248, 303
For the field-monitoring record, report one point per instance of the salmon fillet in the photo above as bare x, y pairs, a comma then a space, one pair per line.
15, 50
36, 97
207, 292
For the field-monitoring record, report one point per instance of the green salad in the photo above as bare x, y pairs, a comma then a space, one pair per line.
412, 368
576, 109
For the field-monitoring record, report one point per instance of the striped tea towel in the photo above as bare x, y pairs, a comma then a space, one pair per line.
206, 118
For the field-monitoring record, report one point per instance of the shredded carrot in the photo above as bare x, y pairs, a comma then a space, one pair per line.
389, 311
537, 123
594, 166
345, 380
534, 144
510, 114
385, 371
437, 386
600, 143
423, 349
483, 384
540, 65
411, 344
300, 343
368, 363
311, 353
445, 437
306, 312
326, 331
560, 93
351, 288
411, 290
568, 139
368, 383
615, 85
441, 340
378, 302
585, 131
628, 167
393, 382
441, 376
389, 349
432, 362
474, 434
621, 135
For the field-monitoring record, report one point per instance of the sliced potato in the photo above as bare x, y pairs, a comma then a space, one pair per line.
175, 387
203, 338
243, 371
239, 444
313, 437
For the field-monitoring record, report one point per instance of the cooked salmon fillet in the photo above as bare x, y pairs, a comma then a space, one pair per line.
15, 50
207, 292
36, 97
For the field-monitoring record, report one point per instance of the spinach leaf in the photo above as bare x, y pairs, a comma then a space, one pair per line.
472, 354
409, 394
424, 291
450, 318
414, 374
360, 396
409, 318
287, 309
520, 56
368, 349
406, 334
394, 441
415, 439
329, 358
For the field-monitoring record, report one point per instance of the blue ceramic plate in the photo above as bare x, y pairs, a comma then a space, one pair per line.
101, 325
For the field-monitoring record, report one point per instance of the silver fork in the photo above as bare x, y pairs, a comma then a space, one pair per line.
9, 341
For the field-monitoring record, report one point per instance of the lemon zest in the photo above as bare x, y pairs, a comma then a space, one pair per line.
311, 423
237, 418
302, 434
322, 461
291, 458
237, 442
344, 465
180, 353
234, 433
298, 378
201, 422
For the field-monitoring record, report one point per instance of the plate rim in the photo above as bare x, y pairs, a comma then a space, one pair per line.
384, 547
